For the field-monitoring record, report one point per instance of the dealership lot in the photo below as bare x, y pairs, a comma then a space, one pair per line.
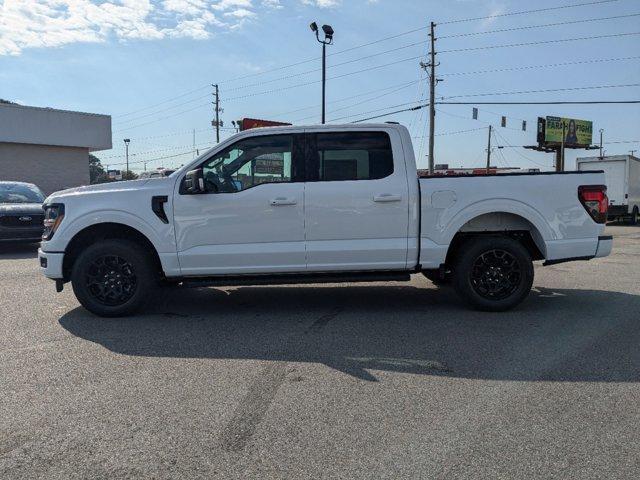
362, 381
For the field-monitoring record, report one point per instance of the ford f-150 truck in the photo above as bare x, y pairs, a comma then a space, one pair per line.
318, 204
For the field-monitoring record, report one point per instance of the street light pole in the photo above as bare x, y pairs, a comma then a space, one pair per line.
328, 40
126, 146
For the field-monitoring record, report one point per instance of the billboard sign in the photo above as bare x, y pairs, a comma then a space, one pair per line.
577, 133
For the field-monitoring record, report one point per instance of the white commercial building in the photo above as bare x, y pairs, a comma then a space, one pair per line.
49, 147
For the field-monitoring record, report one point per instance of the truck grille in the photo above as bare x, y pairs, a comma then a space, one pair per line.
21, 221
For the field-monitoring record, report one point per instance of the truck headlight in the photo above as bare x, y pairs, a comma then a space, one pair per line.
53, 215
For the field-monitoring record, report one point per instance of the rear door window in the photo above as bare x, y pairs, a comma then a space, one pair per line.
344, 156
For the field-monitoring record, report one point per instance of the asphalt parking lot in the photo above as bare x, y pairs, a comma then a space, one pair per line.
366, 381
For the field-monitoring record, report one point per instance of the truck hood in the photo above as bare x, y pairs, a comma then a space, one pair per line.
112, 187
20, 208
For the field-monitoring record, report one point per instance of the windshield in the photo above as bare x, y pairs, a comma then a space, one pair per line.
20, 193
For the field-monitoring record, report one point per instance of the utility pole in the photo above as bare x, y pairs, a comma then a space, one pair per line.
432, 97
194, 143
632, 152
489, 151
216, 122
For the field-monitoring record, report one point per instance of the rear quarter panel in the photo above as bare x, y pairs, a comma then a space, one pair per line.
549, 202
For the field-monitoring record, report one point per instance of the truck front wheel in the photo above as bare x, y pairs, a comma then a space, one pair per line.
493, 273
113, 278
635, 216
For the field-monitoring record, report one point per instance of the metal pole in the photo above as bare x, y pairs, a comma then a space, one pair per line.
489, 150
601, 130
126, 146
217, 114
324, 78
564, 132
432, 93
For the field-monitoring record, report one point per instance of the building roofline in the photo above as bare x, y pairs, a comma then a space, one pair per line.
49, 109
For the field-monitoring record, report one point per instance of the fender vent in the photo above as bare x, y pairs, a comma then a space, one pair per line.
157, 205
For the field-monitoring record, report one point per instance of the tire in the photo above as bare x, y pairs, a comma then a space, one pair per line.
634, 219
493, 274
113, 278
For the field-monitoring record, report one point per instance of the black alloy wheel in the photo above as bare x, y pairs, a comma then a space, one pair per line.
493, 272
495, 275
114, 277
111, 280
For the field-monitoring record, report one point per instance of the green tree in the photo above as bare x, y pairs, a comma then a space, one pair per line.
129, 175
97, 173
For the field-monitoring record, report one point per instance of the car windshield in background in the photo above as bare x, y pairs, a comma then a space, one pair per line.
20, 193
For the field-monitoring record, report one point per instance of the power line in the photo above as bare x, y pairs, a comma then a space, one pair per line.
529, 27
363, 101
586, 102
162, 118
518, 152
517, 92
136, 118
524, 12
407, 32
386, 114
541, 42
548, 65
372, 111
346, 98
161, 103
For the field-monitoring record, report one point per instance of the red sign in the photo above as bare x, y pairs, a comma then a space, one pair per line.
249, 123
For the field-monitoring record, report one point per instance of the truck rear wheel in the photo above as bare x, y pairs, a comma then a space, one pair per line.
113, 278
493, 273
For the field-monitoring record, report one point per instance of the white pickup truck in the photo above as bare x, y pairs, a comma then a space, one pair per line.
316, 204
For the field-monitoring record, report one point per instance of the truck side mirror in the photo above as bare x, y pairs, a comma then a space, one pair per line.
194, 182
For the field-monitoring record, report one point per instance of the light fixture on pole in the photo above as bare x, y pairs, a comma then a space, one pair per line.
126, 146
328, 40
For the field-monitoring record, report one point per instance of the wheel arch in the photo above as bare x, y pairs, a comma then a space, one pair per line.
103, 231
527, 229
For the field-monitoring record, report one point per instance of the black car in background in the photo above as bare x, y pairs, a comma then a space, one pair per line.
21, 214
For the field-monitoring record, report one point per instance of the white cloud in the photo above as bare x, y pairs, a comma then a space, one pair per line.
53, 23
272, 4
496, 10
227, 4
240, 13
322, 3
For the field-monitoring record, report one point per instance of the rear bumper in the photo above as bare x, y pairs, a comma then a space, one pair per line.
605, 244
51, 264
603, 249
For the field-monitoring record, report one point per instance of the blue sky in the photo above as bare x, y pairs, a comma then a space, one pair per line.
150, 64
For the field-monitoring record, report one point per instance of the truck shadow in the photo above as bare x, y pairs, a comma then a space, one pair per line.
556, 335
18, 251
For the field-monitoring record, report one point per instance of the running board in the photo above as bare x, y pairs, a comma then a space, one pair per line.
290, 279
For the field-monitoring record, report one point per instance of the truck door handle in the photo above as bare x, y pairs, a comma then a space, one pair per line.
387, 197
278, 201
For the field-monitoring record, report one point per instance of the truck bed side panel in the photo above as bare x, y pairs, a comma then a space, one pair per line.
547, 203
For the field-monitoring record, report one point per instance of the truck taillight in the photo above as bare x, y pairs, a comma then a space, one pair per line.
594, 200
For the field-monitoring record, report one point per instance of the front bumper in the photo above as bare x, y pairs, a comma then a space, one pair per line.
51, 264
